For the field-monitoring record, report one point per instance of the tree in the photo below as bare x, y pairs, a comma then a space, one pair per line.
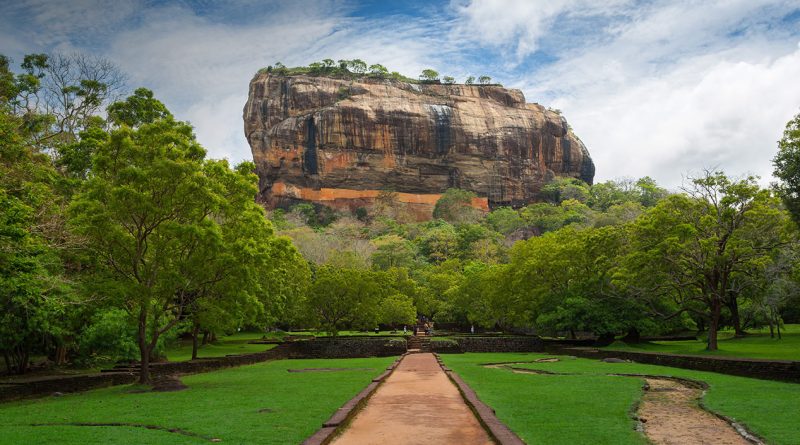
787, 167
33, 291
74, 88
357, 66
505, 220
30, 298
484, 80
455, 206
398, 309
429, 75
341, 298
236, 275
139, 108
59, 96
470, 80
438, 243
449, 80
393, 251
688, 249
562, 189
378, 70
156, 215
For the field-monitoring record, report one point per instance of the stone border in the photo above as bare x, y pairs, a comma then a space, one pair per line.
779, 370
331, 427
299, 349
498, 431
84, 382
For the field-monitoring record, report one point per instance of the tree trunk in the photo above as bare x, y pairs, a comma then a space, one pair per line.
61, 355
205, 337
195, 333
144, 350
716, 310
633, 336
736, 321
8, 361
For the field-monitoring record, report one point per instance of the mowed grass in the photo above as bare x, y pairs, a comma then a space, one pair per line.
591, 406
223, 404
238, 343
757, 344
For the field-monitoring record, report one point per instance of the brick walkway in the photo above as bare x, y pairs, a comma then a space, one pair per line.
417, 404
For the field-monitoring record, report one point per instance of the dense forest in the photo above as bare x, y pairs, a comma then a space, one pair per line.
117, 234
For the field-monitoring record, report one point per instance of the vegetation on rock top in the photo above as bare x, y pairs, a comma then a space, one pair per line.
358, 69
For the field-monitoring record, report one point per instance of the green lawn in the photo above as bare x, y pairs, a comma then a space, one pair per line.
231, 344
589, 406
223, 404
756, 345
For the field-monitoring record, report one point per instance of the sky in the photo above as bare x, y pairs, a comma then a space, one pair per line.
653, 88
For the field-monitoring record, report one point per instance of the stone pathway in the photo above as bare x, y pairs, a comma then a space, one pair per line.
417, 404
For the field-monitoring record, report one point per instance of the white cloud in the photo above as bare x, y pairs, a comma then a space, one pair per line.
669, 87
522, 23
652, 87
727, 115
201, 69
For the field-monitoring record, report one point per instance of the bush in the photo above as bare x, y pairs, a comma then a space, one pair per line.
111, 336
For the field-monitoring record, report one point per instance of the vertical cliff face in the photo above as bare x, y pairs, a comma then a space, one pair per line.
340, 142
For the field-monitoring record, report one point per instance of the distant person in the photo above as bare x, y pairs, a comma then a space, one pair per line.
377, 329
472, 329
404, 330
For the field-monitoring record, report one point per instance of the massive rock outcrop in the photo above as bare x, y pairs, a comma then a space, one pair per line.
340, 142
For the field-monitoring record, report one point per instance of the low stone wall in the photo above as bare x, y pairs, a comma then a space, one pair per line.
488, 344
347, 347
84, 382
781, 370
63, 384
211, 364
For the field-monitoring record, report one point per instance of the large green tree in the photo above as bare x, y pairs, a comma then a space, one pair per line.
689, 248
343, 298
33, 293
787, 167
168, 227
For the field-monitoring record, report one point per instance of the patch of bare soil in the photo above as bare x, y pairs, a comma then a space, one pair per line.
671, 415
670, 412
168, 383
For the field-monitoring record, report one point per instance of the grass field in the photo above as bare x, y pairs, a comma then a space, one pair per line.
589, 406
231, 344
223, 404
757, 344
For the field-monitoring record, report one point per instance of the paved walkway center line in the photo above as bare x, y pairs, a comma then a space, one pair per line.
417, 404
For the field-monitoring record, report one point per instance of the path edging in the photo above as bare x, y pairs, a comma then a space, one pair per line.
498, 430
343, 415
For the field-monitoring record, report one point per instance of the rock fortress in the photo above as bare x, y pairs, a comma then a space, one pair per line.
341, 142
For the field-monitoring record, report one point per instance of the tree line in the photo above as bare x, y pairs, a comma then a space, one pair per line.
118, 234
617, 258
357, 68
115, 229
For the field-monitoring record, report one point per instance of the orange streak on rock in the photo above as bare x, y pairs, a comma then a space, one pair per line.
422, 204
